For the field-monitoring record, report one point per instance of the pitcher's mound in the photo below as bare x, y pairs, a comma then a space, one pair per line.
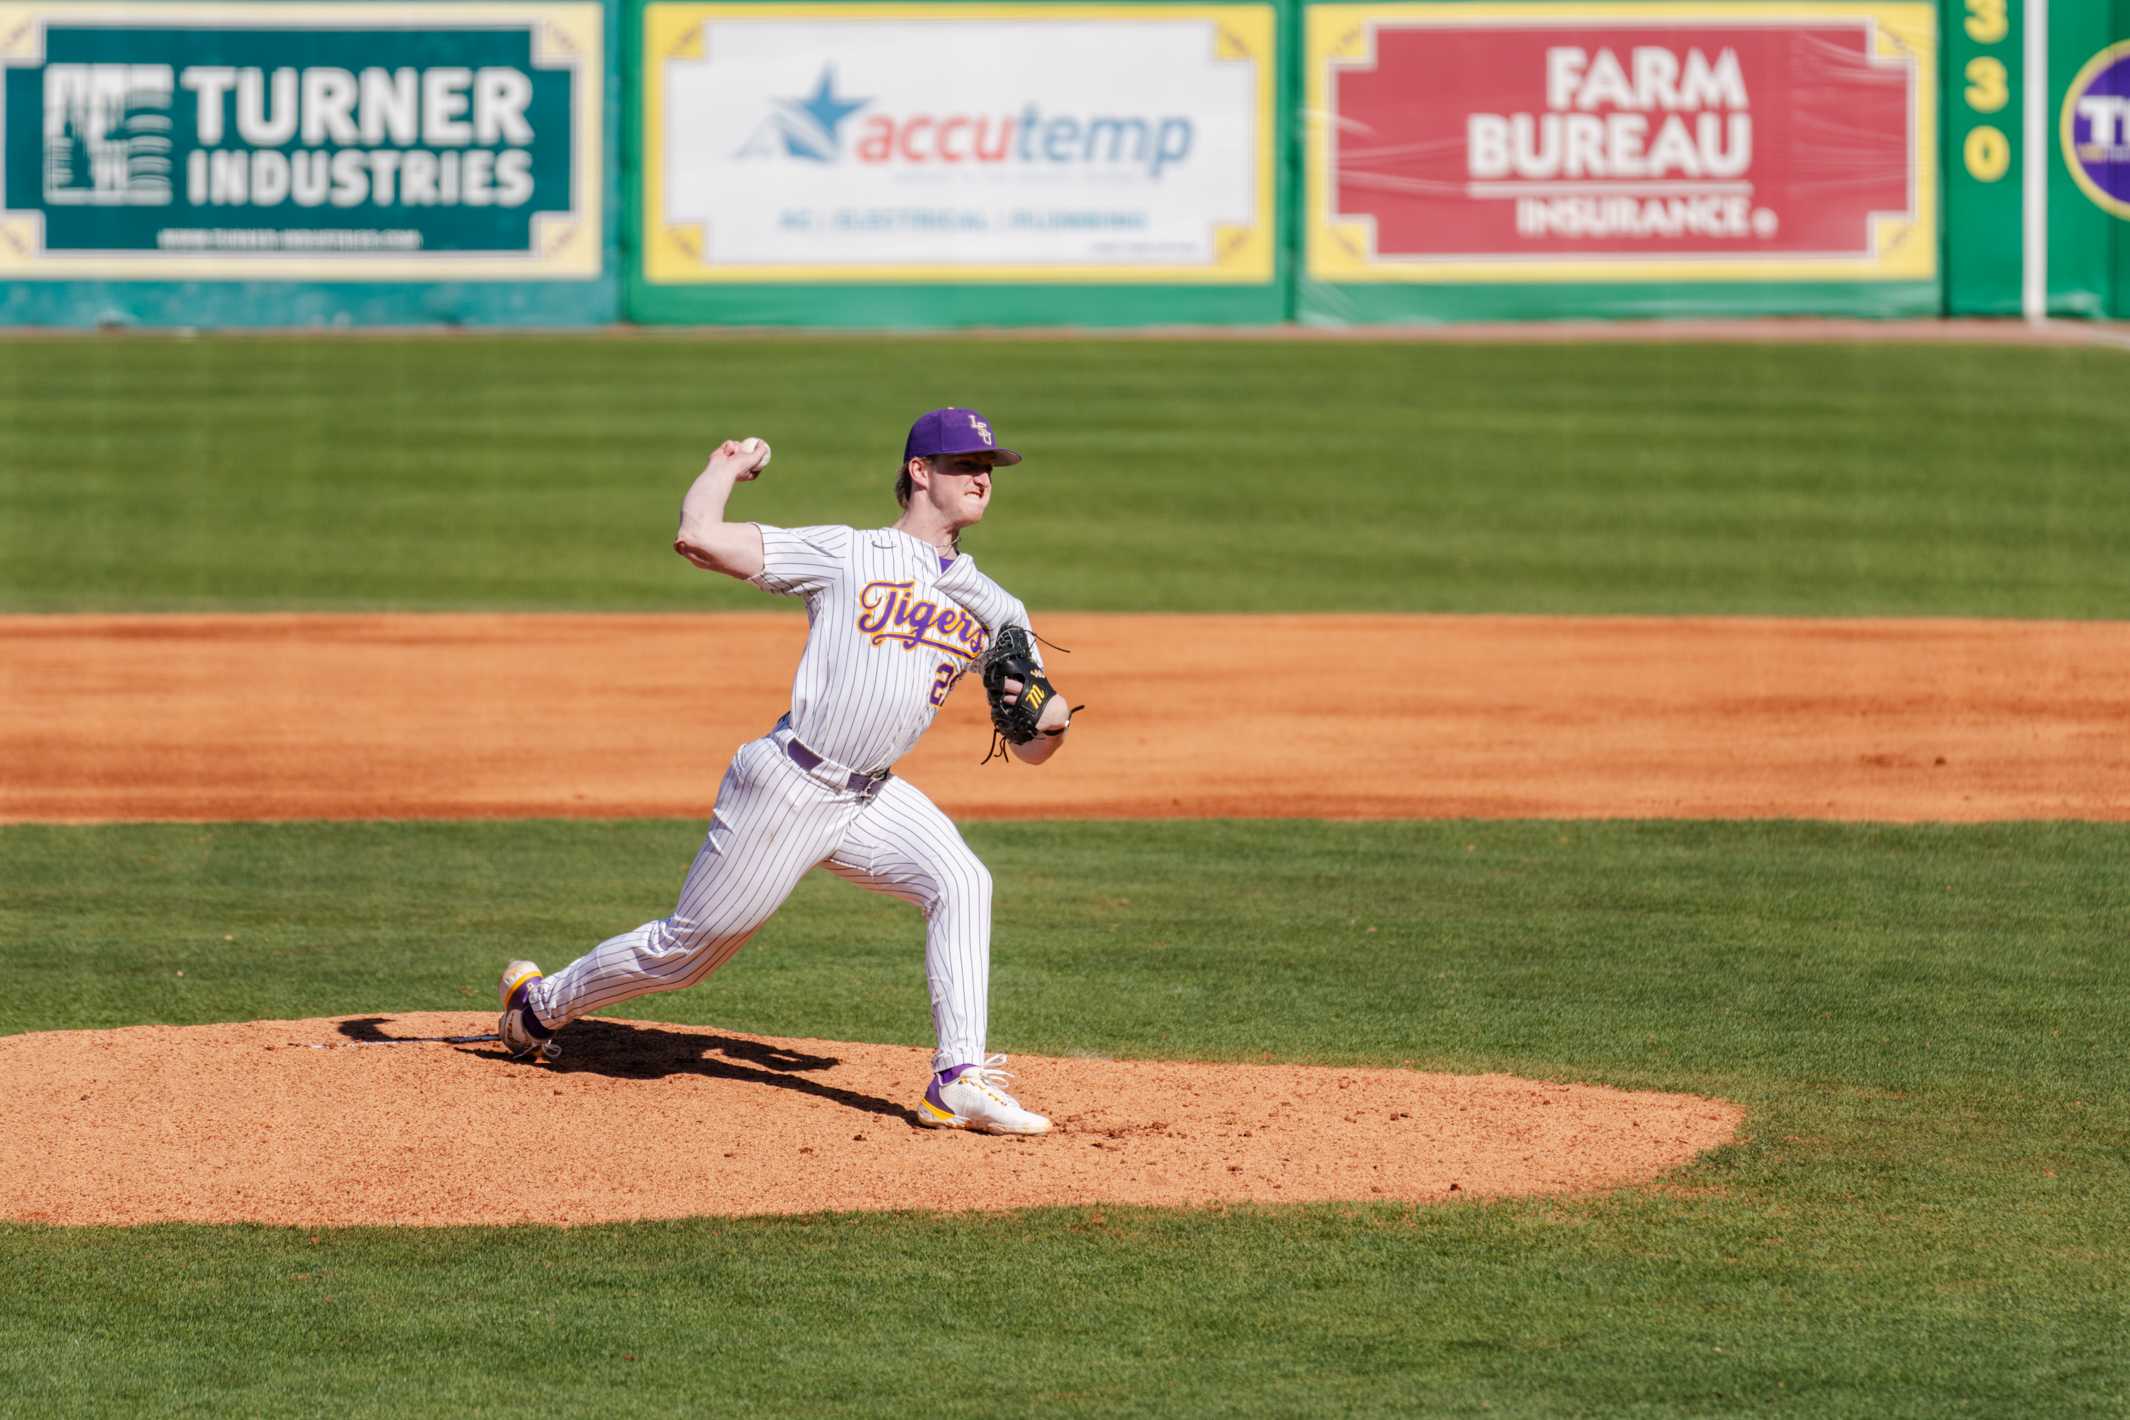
390, 1119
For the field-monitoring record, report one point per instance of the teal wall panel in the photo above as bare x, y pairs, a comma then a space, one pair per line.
2089, 167
1985, 166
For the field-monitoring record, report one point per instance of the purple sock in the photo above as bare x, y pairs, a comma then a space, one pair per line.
534, 1026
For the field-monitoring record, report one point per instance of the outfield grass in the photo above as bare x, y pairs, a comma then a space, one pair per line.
544, 472
1926, 1215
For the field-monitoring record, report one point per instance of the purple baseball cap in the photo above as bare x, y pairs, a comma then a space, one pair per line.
953, 431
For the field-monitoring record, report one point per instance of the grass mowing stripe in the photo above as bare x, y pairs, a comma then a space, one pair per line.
542, 472
1605, 1307
1927, 1215
1897, 956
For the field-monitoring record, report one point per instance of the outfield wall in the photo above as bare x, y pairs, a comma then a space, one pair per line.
958, 162
2038, 158
2085, 269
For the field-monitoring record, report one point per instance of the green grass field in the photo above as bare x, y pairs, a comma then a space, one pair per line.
1927, 1212
535, 473
1924, 1024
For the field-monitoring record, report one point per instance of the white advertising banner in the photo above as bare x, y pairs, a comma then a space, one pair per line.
964, 143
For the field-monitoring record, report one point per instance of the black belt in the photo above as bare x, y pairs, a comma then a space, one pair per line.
807, 760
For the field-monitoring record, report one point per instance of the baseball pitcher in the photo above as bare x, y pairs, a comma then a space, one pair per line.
897, 615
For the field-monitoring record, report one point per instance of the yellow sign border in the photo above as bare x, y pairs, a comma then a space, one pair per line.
580, 251
674, 255
1905, 249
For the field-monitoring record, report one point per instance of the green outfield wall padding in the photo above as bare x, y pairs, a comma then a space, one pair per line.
310, 164
1984, 86
2119, 233
2089, 178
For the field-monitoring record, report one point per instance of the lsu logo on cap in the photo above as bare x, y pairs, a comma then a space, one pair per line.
982, 429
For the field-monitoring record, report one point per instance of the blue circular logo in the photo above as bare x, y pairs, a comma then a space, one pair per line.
2096, 128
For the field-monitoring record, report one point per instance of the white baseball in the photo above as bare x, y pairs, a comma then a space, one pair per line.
760, 449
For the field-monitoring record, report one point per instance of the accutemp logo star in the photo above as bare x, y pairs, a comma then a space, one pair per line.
807, 128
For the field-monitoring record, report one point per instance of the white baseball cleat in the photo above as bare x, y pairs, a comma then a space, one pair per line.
518, 1028
972, 1097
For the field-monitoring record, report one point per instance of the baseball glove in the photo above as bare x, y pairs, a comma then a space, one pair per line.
1011, 656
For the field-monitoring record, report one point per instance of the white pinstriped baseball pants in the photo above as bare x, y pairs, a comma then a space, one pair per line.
773, 822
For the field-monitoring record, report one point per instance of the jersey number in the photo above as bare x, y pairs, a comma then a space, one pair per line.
943, 681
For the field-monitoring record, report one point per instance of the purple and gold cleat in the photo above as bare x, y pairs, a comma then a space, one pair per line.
973, 1097
518, 1028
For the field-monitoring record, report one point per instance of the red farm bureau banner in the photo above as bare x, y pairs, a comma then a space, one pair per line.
1783, 142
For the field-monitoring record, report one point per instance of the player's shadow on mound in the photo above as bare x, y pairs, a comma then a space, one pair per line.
646, 1052
639, 1052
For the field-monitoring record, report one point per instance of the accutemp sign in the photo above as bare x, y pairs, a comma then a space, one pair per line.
2096, 129
913, 143
345, 141
1614, 142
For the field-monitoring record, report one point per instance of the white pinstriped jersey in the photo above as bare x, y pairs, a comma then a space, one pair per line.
890, 633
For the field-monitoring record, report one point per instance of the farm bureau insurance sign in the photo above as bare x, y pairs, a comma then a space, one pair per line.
965, 143
1612, 143
311, 141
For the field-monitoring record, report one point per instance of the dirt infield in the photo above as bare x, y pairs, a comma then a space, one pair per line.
475, 716
387, 1120
381, 1120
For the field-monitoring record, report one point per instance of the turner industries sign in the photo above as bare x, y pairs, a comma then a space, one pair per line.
1746, 142
291, 140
